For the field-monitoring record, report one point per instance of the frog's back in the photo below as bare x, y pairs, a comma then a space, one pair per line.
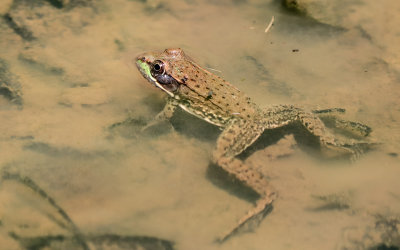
207, 94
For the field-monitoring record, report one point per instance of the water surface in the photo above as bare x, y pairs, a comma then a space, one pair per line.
67, 82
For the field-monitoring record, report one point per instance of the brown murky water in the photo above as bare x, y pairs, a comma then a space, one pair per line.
67, 81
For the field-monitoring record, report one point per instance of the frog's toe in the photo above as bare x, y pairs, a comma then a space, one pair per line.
157, 127
363, 147
355, 128
353, 150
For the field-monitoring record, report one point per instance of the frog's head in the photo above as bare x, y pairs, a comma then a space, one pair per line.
163, 69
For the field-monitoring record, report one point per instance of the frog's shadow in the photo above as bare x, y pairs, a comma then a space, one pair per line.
193, 127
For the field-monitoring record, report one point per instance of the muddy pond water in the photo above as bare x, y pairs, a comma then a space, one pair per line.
77, 171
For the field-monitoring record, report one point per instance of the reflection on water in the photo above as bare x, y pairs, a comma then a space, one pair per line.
72, 106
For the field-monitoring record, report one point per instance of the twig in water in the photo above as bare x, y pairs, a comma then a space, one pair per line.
270, 24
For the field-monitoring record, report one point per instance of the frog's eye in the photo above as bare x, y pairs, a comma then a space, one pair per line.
157, 68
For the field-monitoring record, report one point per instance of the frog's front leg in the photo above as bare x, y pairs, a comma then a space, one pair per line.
235, 138
165, 114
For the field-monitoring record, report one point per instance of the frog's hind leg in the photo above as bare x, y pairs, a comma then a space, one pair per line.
280, 115
235, 138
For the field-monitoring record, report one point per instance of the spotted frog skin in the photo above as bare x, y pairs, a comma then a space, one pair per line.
216, 101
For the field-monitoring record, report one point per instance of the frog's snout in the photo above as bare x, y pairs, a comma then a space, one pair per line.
139, 59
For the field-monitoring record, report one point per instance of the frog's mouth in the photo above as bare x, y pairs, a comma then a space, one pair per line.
145, 70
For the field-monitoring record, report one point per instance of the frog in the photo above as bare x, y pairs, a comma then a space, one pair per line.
209, 97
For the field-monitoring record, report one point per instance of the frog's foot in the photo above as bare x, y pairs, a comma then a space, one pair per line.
354, 149
164, 115
330, 115
253, 217
256, 181
353, 127
148, 128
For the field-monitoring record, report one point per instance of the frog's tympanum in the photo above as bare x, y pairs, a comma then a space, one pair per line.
216, 101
